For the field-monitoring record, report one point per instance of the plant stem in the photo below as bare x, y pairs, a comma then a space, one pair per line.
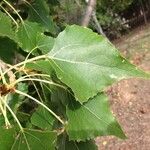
40, 80
10, 16
5, 103
29, 55
14, 10
7, 123
26, 61
43, 105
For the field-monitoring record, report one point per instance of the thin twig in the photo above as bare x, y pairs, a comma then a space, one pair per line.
98, 26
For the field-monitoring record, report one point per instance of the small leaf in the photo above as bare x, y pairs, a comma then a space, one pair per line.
41, 65
39, 12
91, 119
42, 118
88, 62
5, 26
35, 140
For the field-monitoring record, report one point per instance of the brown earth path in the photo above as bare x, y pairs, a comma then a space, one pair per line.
130, 99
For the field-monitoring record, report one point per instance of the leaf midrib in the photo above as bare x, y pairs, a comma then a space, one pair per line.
87, 63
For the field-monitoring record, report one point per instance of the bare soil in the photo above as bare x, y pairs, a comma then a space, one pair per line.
130, 99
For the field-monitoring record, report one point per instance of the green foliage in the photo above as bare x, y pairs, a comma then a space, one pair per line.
72, 145
54, 99
35, 139
38, 65
109, 14
30, 37
31, 139
42, 119
88, 63
6, 26
7, 138
39, 12
117, 5
91, 119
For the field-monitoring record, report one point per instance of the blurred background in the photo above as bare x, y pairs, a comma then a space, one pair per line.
116, 17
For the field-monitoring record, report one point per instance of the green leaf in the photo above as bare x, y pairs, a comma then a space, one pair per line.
59, 100
29, 139
5, 26
35, 140
27, 35
91, 119
2, 121
88, 62
30, 38
38, 66
39, 12
45, 43
7, 50
88, 145
42, 119
24, 118
65, 144
7, 137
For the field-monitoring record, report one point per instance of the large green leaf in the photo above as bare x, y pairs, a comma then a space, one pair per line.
91, 119
30, 36
5, 26
88, 62
39, 12
35, 140
42, 119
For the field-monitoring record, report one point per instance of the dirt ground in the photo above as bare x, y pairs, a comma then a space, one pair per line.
130, 99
